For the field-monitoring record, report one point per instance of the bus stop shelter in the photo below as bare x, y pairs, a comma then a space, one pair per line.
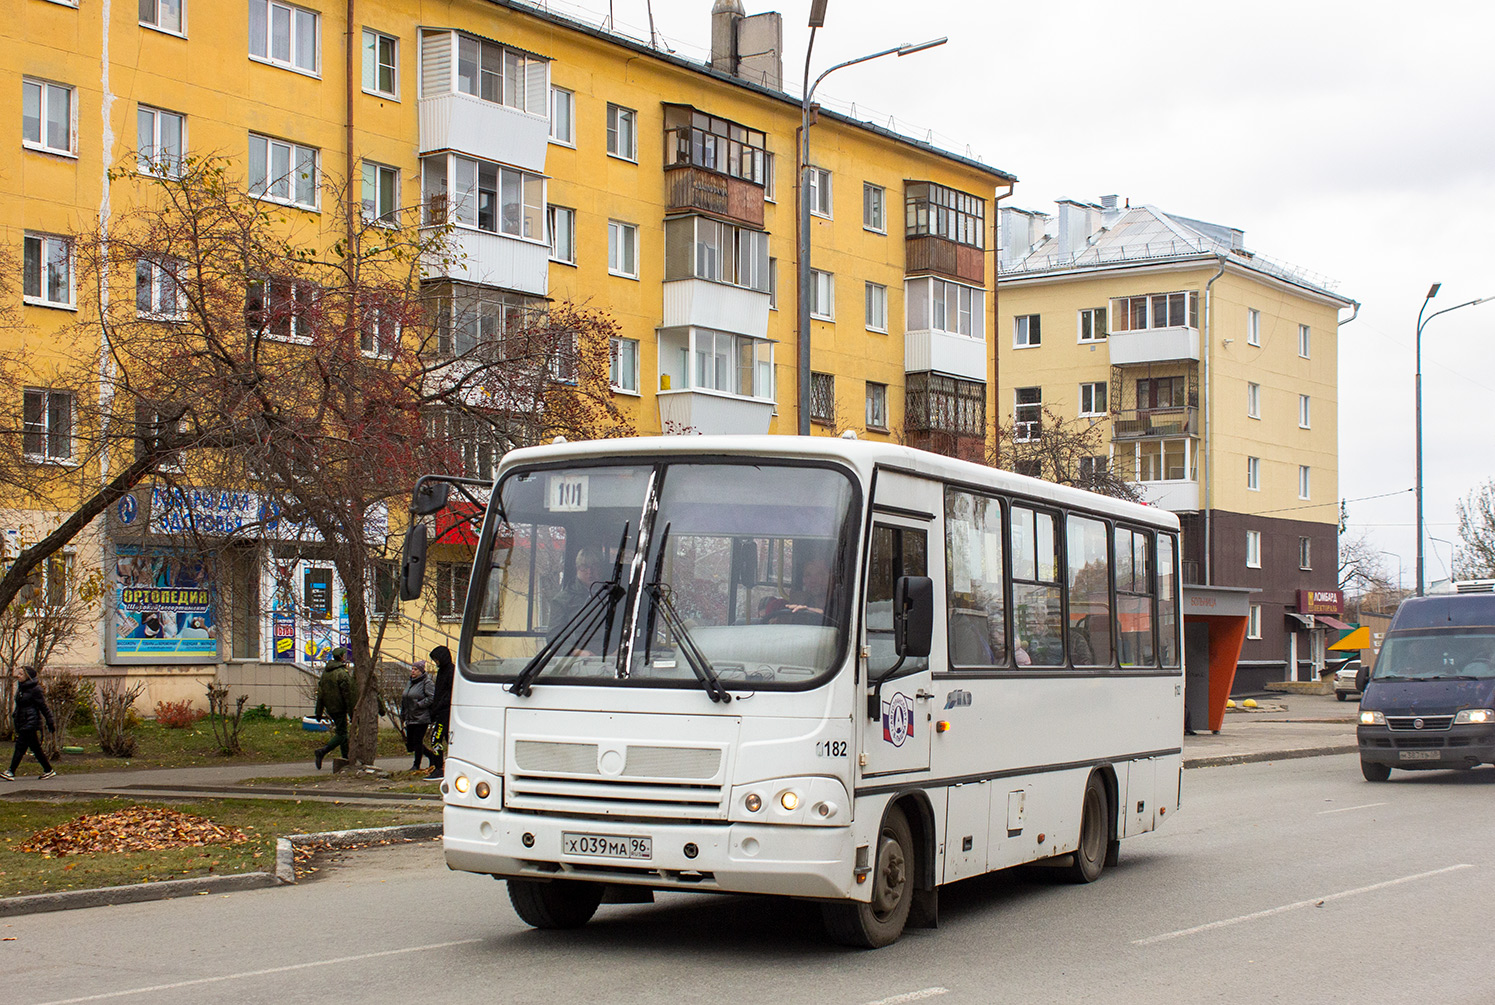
1215, 619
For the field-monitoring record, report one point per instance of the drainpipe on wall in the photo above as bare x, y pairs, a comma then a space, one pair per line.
354, 195
1209, 408
996, 368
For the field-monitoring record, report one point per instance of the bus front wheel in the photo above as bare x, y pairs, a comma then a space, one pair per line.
557, 903
880, 922
1095, 834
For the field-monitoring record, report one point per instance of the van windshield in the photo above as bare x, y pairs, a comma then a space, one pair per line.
1440, 654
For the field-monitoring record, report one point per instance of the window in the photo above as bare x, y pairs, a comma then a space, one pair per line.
717, 361
165, 15
1161, 392
877, 406
624, 374
822, 295
1253, 400
1089, 584
474, 452
697, 247
695, 139
381, 63
820, 192
822, 398
499, 200
1036, 591
47, 116
381, 194
877, 307
1134, 597
1093, 325
151, 425
1253, 326
562, 224
282, 172
1026, 331
1304, 341
894, 552
1158, 460
1253, 473
1093, 468
622, 249
47, 424
622, 132
384, 588
773, 284
1305, 553
1027, 413
1253, 549
977, 598
451, 589
280, 309
47, 270
1303, 473
283, 35
160, 141
1093, 398
1155, 310
1253, 622
936, 211
378, 331
492, 72
157, 292
874, 208
935, 305
1304, 415
770, 179
562, 116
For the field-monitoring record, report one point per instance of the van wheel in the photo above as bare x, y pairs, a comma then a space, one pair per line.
1374, 772
1095, 834
1341, 696
879, 923
558, 903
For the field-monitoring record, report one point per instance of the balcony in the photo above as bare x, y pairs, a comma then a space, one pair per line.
1142, 423
700, 303
1179, 495
485, 129
945, 352
694, 189
707, 413
476, 256
939, 255
1154, 345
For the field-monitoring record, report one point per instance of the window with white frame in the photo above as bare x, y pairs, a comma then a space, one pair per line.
451, 589
160, 141
164, 15
1253, 473
1093, 467
493, 72
158, 293
877, 406
822, 397
698, 247
935, 305
1253, 326
479, 321
770, 178
562, 226
1093, 398
562, 116
622, 249
1027, 331
47, 270
1093, 325
47, 424
1027, 414
381, 194
622, 132
932, 210
874, 208
877, 307
624, 375
1304, 413
475, 447
1253, 549
280, 309
822, 295
1303, 480
773, 284
1305, 553
1253, 622
1305, 335
713, 360
378, 330
381, 63
1253, 400
1155, 310
282, 172
46, 116
820, 192
285, 35
483, 195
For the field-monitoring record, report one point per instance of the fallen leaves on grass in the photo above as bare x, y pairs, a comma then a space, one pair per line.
137, 828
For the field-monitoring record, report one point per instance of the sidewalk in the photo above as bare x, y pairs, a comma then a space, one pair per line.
1283, 726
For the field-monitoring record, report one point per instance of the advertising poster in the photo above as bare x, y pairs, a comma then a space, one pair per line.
283, 631
163, 607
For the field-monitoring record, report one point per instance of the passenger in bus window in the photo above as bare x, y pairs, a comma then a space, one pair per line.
1040, 645
592, 567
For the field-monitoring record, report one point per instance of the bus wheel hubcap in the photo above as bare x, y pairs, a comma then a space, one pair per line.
891, 875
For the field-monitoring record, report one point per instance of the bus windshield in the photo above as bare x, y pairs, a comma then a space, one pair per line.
1457, 654
667, 574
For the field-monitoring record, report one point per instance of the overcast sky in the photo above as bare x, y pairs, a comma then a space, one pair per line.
1353, 140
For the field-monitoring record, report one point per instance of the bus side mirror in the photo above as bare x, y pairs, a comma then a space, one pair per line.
913, 615
430, 497
413, 564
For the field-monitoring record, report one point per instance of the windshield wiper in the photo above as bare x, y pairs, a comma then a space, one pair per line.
700, 665
597, 611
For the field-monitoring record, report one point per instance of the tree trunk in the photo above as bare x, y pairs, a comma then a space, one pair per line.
363, 744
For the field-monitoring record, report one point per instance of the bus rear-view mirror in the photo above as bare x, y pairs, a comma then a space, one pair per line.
413, 562
913, 615
430, 497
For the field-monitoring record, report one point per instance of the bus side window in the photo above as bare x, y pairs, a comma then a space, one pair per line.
1134, 597
1167, 600
896, 551
976, 583
1037, 594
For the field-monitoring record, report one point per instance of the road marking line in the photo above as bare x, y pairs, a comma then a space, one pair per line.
1346, 809
1293, 907
912, 996
262, 973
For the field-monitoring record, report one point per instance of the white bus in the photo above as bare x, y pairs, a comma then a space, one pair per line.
836, 670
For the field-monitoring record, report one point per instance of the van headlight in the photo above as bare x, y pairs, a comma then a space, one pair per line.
1371, 718
1472, 716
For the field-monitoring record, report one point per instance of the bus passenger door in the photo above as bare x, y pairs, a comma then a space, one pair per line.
895, 733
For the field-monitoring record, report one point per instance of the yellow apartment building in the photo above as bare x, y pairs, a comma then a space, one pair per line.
1213, 373
573, 164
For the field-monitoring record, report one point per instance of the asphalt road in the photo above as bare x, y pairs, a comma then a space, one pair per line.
1281, 882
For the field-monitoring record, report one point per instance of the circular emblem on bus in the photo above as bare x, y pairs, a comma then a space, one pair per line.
897, 719
1416, 723
610, 762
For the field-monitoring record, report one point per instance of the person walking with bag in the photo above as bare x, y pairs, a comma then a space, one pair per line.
335, 700
441, 708
30, 712
415, 713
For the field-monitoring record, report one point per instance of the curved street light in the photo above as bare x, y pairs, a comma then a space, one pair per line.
1421, 323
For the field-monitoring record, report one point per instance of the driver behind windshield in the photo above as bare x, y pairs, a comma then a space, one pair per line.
593, 567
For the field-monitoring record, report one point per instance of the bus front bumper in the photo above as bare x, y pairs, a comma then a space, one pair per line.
795, 861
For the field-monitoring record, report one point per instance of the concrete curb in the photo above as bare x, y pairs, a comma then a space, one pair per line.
1267, 755
285, 848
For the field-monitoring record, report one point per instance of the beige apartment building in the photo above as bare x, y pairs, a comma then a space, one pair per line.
1213, 372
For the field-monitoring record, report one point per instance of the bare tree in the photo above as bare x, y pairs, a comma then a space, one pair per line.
55, 608
1064, 451
1475, 558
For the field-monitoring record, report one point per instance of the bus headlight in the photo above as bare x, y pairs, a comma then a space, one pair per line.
813, 800
1474, 715
461, 785
789, 799
753, 803
1371, 718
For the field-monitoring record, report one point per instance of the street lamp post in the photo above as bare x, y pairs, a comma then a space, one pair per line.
817, 21
1421, 323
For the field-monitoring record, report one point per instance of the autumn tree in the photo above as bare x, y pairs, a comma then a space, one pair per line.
1065, 451
1475, 557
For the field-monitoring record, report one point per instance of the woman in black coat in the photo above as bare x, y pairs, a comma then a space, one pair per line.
30, 712
441, 708
415, 713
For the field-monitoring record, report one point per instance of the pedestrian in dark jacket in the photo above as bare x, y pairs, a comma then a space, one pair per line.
335, 701
441, 708
415, 713
30, 712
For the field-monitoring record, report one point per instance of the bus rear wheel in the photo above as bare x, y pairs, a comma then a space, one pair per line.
880, 922
1095, 834
1374, 772
557, 903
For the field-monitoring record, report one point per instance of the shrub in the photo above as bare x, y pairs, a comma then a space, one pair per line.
259, 713
177, 714
115, 717
226, 723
